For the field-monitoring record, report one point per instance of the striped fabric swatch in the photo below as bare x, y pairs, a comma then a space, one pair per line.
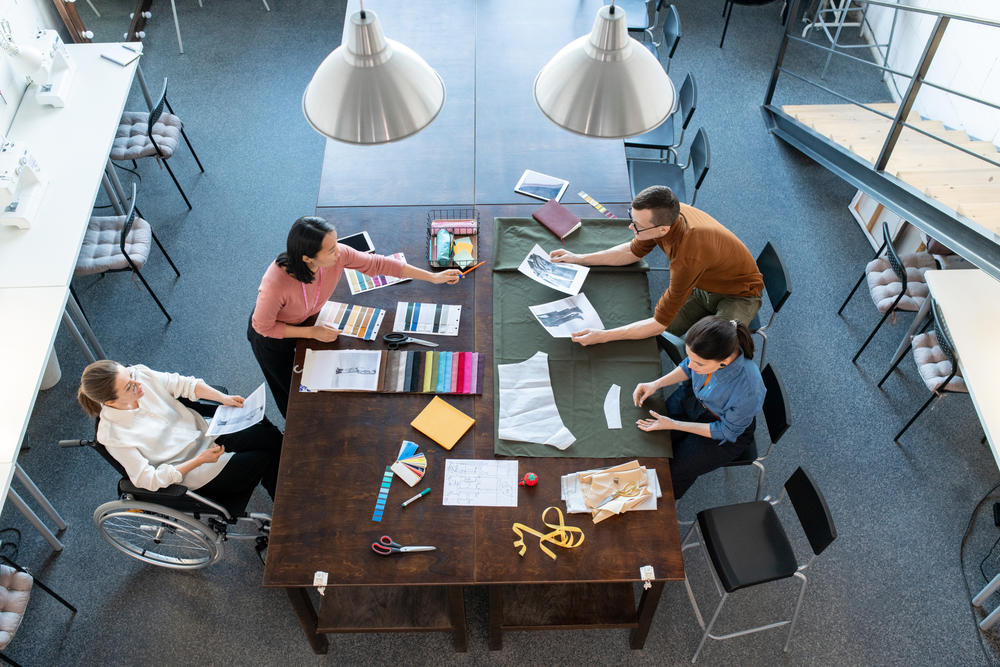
352, 320
359, 282
433, 372
427, 318
383, 494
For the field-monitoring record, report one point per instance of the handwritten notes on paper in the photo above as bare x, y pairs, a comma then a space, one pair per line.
480, 482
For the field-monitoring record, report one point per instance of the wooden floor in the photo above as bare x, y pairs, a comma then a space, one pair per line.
961, 181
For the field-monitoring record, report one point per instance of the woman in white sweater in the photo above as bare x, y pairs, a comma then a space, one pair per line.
160, 441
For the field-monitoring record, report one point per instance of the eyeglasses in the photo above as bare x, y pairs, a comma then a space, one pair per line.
131, 387
636, 230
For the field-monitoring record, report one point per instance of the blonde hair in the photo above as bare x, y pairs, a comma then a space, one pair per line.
97, 385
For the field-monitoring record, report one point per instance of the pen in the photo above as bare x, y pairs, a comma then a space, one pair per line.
473, 268
416, 497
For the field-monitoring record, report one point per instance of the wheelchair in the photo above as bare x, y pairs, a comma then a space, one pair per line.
172, 527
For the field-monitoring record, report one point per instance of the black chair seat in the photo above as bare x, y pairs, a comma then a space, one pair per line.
644, 173
747, 544
660, 137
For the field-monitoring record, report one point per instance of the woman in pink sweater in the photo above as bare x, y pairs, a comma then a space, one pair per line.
295, 287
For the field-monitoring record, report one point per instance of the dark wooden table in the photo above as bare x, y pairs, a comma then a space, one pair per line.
337, 444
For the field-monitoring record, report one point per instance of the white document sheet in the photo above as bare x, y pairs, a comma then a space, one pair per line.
340, 370
573, 497
612, 407
480, 482
564, 317
566, 278
228, 419
528, 410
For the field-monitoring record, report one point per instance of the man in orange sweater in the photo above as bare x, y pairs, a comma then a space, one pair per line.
711, 271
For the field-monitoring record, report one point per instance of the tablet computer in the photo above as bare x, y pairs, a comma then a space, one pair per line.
541, 186
360, 242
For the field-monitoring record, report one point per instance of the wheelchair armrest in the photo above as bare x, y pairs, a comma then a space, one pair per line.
204, 407
172, 491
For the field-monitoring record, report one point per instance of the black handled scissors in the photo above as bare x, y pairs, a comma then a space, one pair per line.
386, 547
395, 340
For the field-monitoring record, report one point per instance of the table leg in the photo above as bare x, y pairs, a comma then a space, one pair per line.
28, 514
116, 184
110, 192
73, 307
456, 610
904, 344
495, 641
37, 494
647, 609
78, 337
306, 613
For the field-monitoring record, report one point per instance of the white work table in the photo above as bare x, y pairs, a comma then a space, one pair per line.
71, 145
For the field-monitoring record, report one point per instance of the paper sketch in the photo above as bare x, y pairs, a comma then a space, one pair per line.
564, 317
228, 419
341, 370
566, 278
480, 482
528, 410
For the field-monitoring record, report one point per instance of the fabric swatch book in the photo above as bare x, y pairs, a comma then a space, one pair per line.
442, 422
557, 219
393, 371
410, 464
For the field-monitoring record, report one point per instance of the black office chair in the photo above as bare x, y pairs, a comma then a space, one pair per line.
671, 36
935, 358
746, 545
664, 137
896, 283
643, 173
777, 285
153, 134
727, 11
778, 418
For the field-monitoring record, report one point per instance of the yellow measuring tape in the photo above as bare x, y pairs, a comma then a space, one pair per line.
562, 535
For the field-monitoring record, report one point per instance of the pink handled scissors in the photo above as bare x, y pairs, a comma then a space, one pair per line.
386, 547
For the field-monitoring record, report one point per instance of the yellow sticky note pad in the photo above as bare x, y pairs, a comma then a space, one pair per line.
442, 422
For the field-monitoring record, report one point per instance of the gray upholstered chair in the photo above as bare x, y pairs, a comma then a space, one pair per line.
896, 282
120, 243
152, 134
936, 363
15, 589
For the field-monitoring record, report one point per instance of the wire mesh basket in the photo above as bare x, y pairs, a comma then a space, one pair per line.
458, 247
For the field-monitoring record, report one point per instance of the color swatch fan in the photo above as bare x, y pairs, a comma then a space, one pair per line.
410, 464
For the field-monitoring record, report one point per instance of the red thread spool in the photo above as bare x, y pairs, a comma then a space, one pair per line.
530, 479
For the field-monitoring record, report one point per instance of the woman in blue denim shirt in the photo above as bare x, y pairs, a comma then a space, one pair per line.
712, 415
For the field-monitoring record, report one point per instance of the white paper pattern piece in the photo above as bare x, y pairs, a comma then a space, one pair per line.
566, 278
573, 497
528, 410
480, 482
427, 318
341, 370
228, 419
612, 407
566, 316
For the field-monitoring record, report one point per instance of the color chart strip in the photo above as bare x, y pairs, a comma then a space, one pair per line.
359, 282
352, 320
427, 318
596, 204
383, 494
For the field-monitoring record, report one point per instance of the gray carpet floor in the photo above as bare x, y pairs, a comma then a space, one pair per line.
889, 591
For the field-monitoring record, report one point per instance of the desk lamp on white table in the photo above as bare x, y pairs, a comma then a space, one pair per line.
42, 60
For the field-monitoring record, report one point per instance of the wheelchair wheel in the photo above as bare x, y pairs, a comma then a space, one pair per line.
158, 535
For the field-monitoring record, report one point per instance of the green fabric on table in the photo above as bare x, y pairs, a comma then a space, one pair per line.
514, 238
581, 376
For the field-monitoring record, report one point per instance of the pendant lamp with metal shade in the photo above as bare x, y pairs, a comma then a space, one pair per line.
605, 84
372, 90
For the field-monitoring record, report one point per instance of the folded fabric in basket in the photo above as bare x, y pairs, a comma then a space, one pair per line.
611, 491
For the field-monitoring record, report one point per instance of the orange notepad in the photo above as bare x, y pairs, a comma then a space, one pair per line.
442, 422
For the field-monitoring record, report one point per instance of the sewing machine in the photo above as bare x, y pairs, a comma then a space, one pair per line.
22, 185
43, 60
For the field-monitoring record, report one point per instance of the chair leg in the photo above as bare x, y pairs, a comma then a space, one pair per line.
708, 628
760, 479
177, 183
40, 583
160, 246
729, 15
191, 148
856, 286
9, 661
763, 347
266, 6
798, 606
914, 418
891, 369
857, 354
152, 294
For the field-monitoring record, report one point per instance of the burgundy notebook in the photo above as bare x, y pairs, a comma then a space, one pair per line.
557, 218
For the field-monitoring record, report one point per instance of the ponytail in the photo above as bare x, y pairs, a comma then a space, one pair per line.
717, 339
97, 385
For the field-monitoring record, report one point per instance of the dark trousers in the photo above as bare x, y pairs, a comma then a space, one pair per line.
256, 451
695, 455
276, 357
